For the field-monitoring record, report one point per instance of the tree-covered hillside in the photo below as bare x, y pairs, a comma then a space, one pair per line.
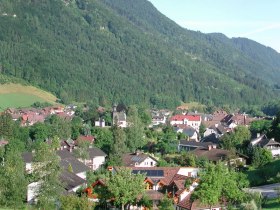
123, 50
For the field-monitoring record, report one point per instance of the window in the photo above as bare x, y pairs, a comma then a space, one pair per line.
152, 164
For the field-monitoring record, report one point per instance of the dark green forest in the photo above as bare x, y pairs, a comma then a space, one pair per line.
106, 51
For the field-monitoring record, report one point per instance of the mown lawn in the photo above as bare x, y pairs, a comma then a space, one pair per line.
17, 95
265, 175
16, 100
273, 204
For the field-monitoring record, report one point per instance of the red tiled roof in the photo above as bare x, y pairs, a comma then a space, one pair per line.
86, 138
188, 117
186, 203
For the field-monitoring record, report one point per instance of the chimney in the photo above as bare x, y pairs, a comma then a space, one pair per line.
70, 149
209, 147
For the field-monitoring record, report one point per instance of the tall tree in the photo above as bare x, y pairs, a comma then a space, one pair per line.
13, 183
217, 182
6, 125
119, 147
135, 132
126, 187
46, 173
104, 139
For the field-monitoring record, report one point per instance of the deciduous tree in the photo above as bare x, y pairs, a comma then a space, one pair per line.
125, 186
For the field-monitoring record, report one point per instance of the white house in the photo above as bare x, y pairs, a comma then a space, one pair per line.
138, 160
99, 123
264, 142
190, 120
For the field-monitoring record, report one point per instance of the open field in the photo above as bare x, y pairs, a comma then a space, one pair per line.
16, 95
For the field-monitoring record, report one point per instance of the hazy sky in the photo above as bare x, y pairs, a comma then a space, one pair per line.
258, 20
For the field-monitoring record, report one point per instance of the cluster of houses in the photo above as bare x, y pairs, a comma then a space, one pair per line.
30, 116
74, 169
177, 182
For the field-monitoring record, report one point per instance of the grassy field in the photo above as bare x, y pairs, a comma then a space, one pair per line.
16, 95
272, 204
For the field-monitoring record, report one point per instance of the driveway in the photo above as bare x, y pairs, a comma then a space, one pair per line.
266, 190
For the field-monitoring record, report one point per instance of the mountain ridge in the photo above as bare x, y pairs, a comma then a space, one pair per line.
123, 51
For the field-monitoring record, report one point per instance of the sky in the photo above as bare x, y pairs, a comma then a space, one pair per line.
258, 20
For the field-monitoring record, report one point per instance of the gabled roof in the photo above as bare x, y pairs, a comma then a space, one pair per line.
195, 143
27, 157
189, 131
89, 139
154, 195
269, 142
259, 140
130, 159
77, 166
70, 180
210, 139
96, 152
187, 117
213, 154
186, 203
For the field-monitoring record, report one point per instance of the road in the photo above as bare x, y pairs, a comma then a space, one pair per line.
266, 190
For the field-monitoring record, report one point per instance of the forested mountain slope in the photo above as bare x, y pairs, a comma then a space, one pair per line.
124, 50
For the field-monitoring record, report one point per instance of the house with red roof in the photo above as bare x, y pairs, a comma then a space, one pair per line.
193, 121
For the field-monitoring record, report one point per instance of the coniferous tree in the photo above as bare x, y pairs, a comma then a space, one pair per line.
118, 147
135, 131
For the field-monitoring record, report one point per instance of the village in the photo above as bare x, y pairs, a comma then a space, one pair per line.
171, 173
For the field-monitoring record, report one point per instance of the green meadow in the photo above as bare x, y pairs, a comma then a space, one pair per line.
16, 96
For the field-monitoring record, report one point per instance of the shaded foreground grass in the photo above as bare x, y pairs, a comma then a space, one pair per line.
273, 204
265, 175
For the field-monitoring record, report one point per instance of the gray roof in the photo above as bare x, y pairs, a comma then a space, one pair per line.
195, 143
95, 152
70, 180
66, 157
77, 166
211, 139
189, 131
27, 157
120, 116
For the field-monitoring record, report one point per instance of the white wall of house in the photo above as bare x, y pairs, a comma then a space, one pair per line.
188, 171
193, 124
275, 152
76, 188
209, 131
32, 191
28, 167
194, 136
97, 162
99, 123
122, 124
148, 162
82, 175
158, 121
